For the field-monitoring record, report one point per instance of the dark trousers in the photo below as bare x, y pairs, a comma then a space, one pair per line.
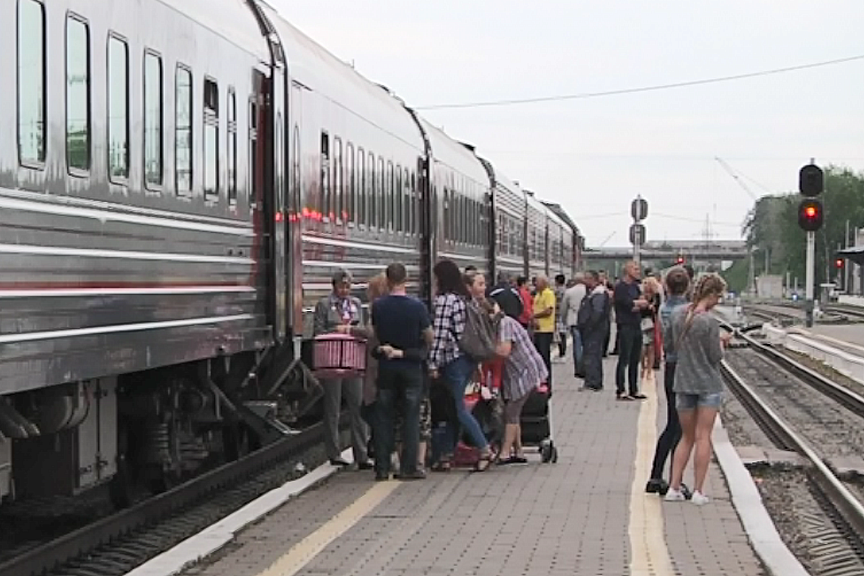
562, 344
592, 357
403, 384
629, 356
543, 343
672, 432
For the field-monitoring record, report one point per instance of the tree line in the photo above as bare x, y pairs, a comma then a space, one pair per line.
779, 245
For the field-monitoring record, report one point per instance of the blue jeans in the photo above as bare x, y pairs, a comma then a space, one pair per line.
457, 374
407, 383
577, 349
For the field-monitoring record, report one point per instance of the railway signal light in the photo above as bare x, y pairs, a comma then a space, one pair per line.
810, 215
839, 263
811, 181
679, 260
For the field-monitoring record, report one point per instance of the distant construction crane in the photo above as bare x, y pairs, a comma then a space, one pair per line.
737, 178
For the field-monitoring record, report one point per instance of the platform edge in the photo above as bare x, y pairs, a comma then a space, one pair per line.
216, 536
760, 529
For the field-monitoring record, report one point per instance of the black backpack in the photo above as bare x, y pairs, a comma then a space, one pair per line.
583, 317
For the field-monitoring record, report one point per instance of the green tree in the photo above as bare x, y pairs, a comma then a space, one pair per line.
772, 224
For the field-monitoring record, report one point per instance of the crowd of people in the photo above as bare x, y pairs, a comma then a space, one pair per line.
418, 367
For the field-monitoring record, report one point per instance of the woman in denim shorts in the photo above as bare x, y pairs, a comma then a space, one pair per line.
698, 385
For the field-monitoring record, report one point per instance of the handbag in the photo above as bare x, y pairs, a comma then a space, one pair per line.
647, 324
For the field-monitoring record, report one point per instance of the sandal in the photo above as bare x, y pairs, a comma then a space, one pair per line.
488, 458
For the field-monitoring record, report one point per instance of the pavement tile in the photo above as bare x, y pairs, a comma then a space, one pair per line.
547, 519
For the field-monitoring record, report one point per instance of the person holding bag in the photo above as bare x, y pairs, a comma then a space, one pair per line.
447, 359
337, 312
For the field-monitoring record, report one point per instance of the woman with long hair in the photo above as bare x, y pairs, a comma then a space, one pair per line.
698, 384
651, 293
447, 361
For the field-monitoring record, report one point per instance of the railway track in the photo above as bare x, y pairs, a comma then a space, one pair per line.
797, 408
121, 541
854, 312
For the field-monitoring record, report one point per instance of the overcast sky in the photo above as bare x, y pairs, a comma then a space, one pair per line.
594, 155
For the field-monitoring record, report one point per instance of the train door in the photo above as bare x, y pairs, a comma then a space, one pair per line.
295, 231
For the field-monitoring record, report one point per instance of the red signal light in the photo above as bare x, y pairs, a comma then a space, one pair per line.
679, 260
839, 263
810, 215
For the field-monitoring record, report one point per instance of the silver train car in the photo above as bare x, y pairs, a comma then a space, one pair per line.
179, 179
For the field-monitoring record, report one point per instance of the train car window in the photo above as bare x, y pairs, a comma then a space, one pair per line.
211, 139
153, 154
360, 216
406, 202
382, 195
338, 181
371, 193
389, 199
232, 146
415, 215
183, 131
295, 172
324, 195
253, 148
449, 213
350, 183
398, 225
118, 110
31, 83
77, 94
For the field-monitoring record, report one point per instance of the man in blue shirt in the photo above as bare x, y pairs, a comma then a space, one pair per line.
628, 316
401, 324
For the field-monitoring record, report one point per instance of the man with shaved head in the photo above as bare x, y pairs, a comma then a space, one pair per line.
629, 304
544, 322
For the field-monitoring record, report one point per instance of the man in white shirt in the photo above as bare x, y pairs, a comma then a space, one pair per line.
570, 307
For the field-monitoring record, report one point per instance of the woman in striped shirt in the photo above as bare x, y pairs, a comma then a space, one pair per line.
524, 370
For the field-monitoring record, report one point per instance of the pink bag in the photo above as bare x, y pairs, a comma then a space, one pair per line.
339, 356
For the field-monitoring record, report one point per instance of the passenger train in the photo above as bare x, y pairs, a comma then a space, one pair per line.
179, 179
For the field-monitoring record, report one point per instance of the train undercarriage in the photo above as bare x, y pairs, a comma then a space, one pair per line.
149, 430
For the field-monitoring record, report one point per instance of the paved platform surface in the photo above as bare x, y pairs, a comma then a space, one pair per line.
587, 514
851, 333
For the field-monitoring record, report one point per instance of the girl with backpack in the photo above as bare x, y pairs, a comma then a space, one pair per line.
449, 365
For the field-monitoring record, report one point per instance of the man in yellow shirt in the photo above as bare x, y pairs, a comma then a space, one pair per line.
544, 322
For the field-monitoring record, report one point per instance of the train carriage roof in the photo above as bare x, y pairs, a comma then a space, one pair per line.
231, 19
454, 154
317, 69
501, 180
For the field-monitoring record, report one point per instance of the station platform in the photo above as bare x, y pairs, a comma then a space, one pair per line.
842, 334
586, 514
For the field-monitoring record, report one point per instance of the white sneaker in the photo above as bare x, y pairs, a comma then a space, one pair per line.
674, 496
699, 499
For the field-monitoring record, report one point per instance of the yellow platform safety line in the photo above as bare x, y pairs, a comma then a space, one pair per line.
307, 549
649, 552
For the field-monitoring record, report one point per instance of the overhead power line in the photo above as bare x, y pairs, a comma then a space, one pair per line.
653, 88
